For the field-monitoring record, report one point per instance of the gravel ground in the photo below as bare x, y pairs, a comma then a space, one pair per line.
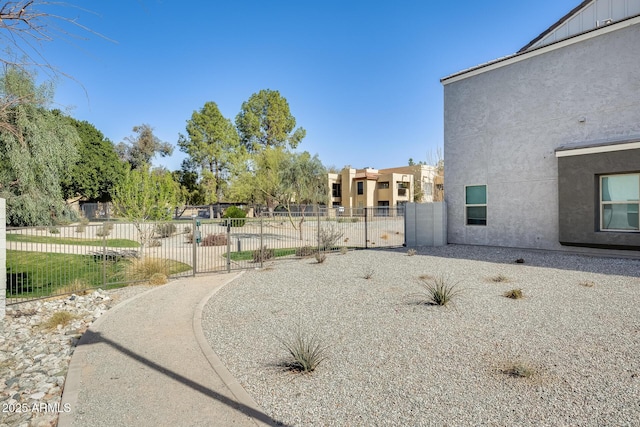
391, 361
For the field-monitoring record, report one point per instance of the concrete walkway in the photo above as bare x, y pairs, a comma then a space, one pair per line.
146, 362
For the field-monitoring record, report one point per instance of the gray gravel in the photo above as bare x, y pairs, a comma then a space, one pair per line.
394, 362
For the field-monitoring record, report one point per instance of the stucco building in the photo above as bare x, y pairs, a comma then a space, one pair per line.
542, 147
393, 187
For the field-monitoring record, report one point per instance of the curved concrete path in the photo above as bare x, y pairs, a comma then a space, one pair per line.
146, 362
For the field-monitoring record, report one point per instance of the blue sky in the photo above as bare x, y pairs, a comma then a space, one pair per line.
362, 77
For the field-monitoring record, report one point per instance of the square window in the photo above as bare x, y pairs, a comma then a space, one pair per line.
476, 204
383, 185
619, 202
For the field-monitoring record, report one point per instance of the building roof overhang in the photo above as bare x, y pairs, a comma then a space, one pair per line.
598, 146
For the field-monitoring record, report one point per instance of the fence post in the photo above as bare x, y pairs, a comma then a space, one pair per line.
261, 234
229, 244
366, 229
318, 208
194, 245
3, 259
104, 255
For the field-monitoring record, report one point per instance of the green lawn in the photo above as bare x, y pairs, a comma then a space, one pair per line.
248, 255
37, 274
111, 243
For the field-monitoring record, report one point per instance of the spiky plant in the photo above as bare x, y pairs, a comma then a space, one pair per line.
439, 291
514, 294
306, 351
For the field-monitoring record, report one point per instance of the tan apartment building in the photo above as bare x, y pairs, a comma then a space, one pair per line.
355, 189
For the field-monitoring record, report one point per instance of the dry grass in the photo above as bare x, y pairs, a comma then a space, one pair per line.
78, 287
411, 252
144, 269
587, 284
157, 279
499, 278
514, 294
519, 370
62, 318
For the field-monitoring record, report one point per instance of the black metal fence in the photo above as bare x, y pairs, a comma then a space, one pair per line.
50, 261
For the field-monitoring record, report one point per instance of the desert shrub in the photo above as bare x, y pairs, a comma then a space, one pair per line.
305, 251
59, 318
154, 243
499, 278
81, 228
186, 229
519, 370
384, 236
348, 219
587, 284
157, 279
514, 294
438, 291
165, 230
144, 269
344, 250
189, 238
84, 220
306, 351
263, 254
412, 252
234, 216
321, 257
328, 237
54, 230
219, 239
368, 273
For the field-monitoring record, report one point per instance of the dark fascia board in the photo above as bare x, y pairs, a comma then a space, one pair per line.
556, 25
597, 143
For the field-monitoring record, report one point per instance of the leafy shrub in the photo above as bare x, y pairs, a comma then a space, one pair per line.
321, 257
144, 269
234, 216
514, 294
439, 291
263, 254
348, 219
219, 239
411, 252
328, 237
306, 251
54, 230
104, 230
306, 351
81, 228
165, 230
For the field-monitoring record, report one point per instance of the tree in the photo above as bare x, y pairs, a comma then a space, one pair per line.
139, 149
265, 121
37, 150
212, 143
97, 168
187, 178
261, 180
304, 181
144, 195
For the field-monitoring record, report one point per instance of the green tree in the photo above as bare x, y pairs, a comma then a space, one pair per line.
304, 182
146, 195
37, 150
97, 168
141, 148
212, 143
265, 121
261, 180
187, 178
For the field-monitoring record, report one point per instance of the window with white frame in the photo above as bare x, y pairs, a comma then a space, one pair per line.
475, 204
619, 202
